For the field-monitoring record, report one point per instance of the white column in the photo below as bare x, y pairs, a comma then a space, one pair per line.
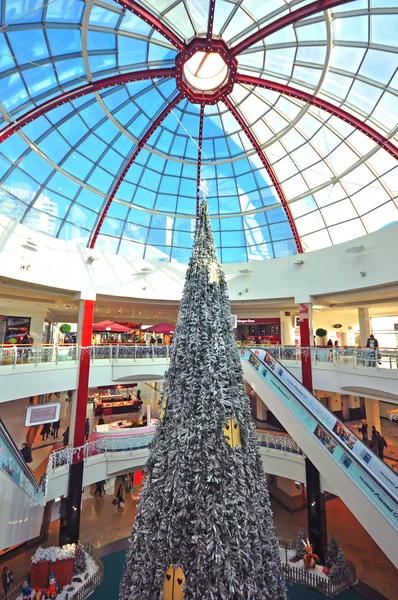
372, 408
364, 326
287, 328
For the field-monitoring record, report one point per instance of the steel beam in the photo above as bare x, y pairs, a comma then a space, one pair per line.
210, 22
200, 141
289, 19
287, 90
144, 14
122, 174
269, 169
90, 88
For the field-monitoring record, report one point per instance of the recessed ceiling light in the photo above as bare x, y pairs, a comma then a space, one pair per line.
355, 249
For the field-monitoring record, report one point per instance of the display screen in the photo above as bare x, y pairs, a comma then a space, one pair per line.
39, 414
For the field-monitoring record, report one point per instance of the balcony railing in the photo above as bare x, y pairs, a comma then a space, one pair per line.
130, 443
357, 358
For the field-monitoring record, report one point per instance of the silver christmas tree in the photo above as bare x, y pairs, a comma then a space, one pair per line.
204, 528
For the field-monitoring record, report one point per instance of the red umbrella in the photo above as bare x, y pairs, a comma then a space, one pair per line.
162, 328
110, 326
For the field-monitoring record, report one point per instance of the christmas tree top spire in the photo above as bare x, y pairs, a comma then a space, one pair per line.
204, 524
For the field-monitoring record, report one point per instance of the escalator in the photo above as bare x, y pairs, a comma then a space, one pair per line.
367, 486
21, 497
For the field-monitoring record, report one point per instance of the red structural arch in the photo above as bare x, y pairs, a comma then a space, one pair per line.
90, 88
268, 168
289, 19
209, 35
144, 14
287, 90
154, 125
200, 140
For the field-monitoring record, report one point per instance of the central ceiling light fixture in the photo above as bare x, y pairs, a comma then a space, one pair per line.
205, 71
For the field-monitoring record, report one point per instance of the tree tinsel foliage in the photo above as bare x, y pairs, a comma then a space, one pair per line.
80, 563
331, 552
204, 506
300, 550
339, 570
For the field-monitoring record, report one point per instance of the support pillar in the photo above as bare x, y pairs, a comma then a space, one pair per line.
70, 524
372, 409
364, 326
287, 330
316, 509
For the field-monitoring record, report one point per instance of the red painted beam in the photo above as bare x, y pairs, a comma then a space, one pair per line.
269, 169
90, 88
210, 22
200, 141
289, 19
287, 90
144, 14
154, 125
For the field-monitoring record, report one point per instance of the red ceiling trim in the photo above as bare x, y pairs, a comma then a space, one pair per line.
154, 125
269, 169
287, 90
144, 14
200, 141
289, 19
90, 88
210, 22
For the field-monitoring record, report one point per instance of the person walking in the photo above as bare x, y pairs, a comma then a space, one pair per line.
119, 497
26, 452
363, 430
100, 488
65, 436
7, 578
45, 431
87, 429
381, 444
55, 430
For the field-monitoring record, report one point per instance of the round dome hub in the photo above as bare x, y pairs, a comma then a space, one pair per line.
205, 72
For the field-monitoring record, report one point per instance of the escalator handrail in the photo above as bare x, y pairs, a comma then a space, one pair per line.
332, 434
17, 455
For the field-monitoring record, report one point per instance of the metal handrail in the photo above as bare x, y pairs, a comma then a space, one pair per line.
330, 432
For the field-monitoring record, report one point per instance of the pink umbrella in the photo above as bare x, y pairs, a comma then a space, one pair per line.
162, 328
110, 326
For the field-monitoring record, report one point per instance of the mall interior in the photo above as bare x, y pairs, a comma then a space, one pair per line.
121, 124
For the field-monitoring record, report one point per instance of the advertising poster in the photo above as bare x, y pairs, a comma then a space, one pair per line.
325, 438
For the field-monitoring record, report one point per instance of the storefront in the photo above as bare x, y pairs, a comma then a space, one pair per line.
263, 330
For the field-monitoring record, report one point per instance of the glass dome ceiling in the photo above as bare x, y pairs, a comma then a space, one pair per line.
103, 141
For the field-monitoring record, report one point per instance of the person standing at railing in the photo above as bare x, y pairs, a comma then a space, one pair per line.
374, 344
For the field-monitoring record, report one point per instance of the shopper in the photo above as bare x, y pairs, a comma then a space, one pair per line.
101, 420
381, 444
363, 430
119, 497
7, 578
45, 431
65, 436
152, 340
87, 429
100, 488
26, 453
330, 343
55, 430
373, 344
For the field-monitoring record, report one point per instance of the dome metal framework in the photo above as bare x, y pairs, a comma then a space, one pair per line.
104, 140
